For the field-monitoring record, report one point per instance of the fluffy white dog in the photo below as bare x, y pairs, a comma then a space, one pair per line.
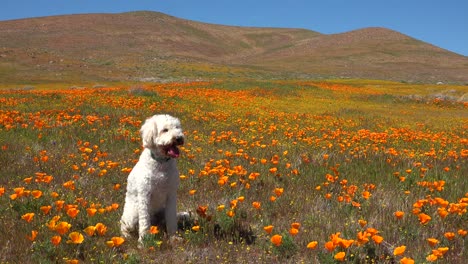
153, 182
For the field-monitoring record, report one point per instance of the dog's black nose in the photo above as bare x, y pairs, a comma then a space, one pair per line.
180, 140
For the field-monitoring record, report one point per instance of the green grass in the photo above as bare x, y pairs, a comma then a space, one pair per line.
358, 150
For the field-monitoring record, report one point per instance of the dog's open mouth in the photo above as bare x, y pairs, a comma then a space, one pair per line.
172, 151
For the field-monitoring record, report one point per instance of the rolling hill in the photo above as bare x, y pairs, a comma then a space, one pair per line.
154, 46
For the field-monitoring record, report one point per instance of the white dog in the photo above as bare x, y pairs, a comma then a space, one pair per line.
153, 182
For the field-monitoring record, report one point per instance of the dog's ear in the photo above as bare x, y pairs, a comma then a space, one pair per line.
149, 131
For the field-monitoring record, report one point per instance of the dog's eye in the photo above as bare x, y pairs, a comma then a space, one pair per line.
165, 130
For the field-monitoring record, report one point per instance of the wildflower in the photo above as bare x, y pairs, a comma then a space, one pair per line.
36, 194
399, 250
101, 229
293, 231
340, 256
276, 240
449, 235
431, 258
153, 230
201, 211
62, 228
192, 192
75, 238
196, 228
366, 195
406, 260
278, 191
72, 212
462, 232
91, 211
33, 235
268, 229
296, 225
2, 191
46, 209
330, 246
312, 245
377, 239
28, 217
115, 242
399, 214
256, 205
230, 213
90, 230
56, 240
362, 222
424, 218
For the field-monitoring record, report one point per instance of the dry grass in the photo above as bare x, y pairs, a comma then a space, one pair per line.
326, 162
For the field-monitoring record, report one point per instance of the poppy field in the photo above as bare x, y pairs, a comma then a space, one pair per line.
330, 171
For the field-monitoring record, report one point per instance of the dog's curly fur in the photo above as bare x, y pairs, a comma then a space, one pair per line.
153, 182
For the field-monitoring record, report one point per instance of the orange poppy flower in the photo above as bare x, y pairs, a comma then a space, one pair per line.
340, 256
33, 235
296, 225
2, 191
431, 258
330, 246
462, 232
424, 218
449, 235
256, 205
36, 194
46, 209
312, 245
230, 213
91, 211
101, 229
72, 212
62, 228
90, 230
268, 229
432, 242
406, 260
276, 240
56, 240
377, 239
399, 214
293, 231
153, 230
362, 222
196, 228
278, 191
28, 217
399, 250
366, 195
115, 242
75, 238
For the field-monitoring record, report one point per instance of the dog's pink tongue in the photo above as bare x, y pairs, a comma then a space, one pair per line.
173, 151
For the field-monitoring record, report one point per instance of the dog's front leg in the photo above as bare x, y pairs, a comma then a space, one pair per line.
144, 219
171, 214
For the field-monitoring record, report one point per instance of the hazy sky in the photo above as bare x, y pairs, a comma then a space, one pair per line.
443, 23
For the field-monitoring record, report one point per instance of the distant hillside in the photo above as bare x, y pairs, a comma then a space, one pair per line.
155, 46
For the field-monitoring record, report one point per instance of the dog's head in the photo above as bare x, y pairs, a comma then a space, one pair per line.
162, 134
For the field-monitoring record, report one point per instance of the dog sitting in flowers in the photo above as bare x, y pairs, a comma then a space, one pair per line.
153, 182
